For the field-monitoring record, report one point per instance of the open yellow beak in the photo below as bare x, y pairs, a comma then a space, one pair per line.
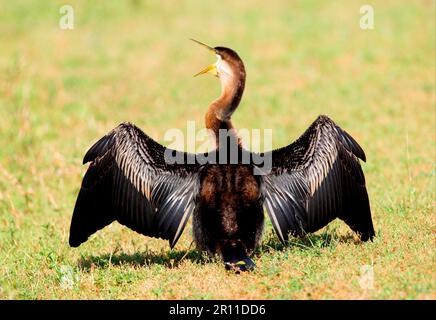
210, 69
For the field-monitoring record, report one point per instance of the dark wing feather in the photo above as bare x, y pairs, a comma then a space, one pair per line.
129, 180
317, 179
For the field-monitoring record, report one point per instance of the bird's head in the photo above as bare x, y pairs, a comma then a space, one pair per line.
228, 68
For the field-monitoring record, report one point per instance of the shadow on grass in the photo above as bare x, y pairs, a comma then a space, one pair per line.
172, 259
169, 259
308, 242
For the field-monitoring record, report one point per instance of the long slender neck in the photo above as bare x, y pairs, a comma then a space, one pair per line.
220, 110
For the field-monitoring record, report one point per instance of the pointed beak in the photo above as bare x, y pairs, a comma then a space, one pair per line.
204, 45
210, 69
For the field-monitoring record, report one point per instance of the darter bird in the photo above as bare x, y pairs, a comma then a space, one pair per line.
134, 180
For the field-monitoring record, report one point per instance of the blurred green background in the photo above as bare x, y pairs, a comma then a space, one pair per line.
60, 90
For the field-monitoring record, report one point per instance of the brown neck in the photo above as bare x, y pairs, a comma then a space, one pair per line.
220, 110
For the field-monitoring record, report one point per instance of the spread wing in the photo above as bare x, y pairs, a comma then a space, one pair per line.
129, 180
317, 179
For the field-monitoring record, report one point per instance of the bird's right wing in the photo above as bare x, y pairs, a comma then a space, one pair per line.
129, 180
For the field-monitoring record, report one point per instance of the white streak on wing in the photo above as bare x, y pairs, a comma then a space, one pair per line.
182, 222
326, 156
131, 168
274, 218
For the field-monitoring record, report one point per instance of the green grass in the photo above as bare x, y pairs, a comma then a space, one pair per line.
131, 61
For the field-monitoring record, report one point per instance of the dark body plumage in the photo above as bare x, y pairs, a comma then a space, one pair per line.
136, 181
229, 216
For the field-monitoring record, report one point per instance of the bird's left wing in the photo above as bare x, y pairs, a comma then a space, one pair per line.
131, 181
315, 180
